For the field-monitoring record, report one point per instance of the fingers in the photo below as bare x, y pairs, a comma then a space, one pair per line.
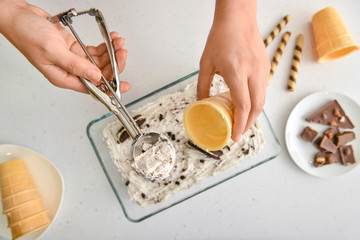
257, 92
240, 96
124, 86
206, 75
76, 65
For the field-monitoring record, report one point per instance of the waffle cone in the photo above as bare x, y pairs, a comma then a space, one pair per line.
15, 188
25, 211
19, 199
208, 122
12, 166
30, 224
15, 178
332, 37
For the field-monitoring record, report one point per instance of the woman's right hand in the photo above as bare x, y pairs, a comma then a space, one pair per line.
53, 50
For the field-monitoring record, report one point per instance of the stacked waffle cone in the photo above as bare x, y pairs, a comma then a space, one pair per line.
21, 200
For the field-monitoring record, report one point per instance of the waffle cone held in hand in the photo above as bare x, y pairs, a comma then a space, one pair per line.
332, 37
208, 122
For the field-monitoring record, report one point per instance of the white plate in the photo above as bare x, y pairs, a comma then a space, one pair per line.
46, 177
303, 152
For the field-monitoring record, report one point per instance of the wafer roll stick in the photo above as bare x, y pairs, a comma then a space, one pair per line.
278, 53
277, 29
295, 63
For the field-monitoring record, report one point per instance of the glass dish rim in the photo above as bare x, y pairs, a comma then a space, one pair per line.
91, 123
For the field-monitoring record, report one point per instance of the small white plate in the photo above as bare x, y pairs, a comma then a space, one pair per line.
46, 177
303, 152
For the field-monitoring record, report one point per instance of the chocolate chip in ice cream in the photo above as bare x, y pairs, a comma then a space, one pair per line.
143, 195
212, 154
122, 134
161, 117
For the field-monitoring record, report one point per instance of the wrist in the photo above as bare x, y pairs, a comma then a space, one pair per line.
235, 11
8, 10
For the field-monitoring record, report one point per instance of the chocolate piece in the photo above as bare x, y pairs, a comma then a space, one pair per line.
122, 134
331, 114
347, 155
331, 133
215, 154
320, 159
344, 138
317, 143
328, 145
309, 134
332, 157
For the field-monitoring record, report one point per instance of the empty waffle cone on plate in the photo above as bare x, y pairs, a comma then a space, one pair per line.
28, 210
21, 200
30, 224
11, 167
17, 187
332, 37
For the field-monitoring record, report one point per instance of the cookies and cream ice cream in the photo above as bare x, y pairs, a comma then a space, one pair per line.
155, 161
192, 166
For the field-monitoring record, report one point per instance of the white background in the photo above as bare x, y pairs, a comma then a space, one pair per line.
165, 40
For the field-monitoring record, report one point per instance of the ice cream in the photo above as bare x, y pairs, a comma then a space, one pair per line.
156, 160
192, 166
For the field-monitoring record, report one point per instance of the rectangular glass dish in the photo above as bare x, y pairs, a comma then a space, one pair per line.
132, 210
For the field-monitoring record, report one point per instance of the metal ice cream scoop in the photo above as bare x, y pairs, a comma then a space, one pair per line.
109, 91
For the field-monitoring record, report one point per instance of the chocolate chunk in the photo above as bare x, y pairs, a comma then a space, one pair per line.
328, 145
202, 160
309, 134
344, 138
182, 177
252, 135
211, 154
122, 134
317, 142
143, 195
161, 117
347, 155
127, 183
331, 114
173, 137
331, 133
227, 147
320, 159
177, 183
332, 157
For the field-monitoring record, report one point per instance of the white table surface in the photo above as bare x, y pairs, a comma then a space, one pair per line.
165, 40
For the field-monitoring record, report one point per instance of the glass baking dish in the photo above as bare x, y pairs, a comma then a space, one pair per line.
133, 211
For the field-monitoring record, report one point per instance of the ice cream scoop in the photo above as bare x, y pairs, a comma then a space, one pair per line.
109, 94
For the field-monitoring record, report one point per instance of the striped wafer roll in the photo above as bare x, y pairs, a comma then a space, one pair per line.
278, 53
295, 63
277, 29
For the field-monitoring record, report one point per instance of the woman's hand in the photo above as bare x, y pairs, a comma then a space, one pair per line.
235, 50
53, 50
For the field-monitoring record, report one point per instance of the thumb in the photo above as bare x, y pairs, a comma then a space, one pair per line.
78, 66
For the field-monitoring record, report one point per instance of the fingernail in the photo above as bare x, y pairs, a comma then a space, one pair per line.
237, 139
93, 75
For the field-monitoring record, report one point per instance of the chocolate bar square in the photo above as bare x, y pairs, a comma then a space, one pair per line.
320, 159
309, 134
347, 155
344, 138
328, 145
331, 133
